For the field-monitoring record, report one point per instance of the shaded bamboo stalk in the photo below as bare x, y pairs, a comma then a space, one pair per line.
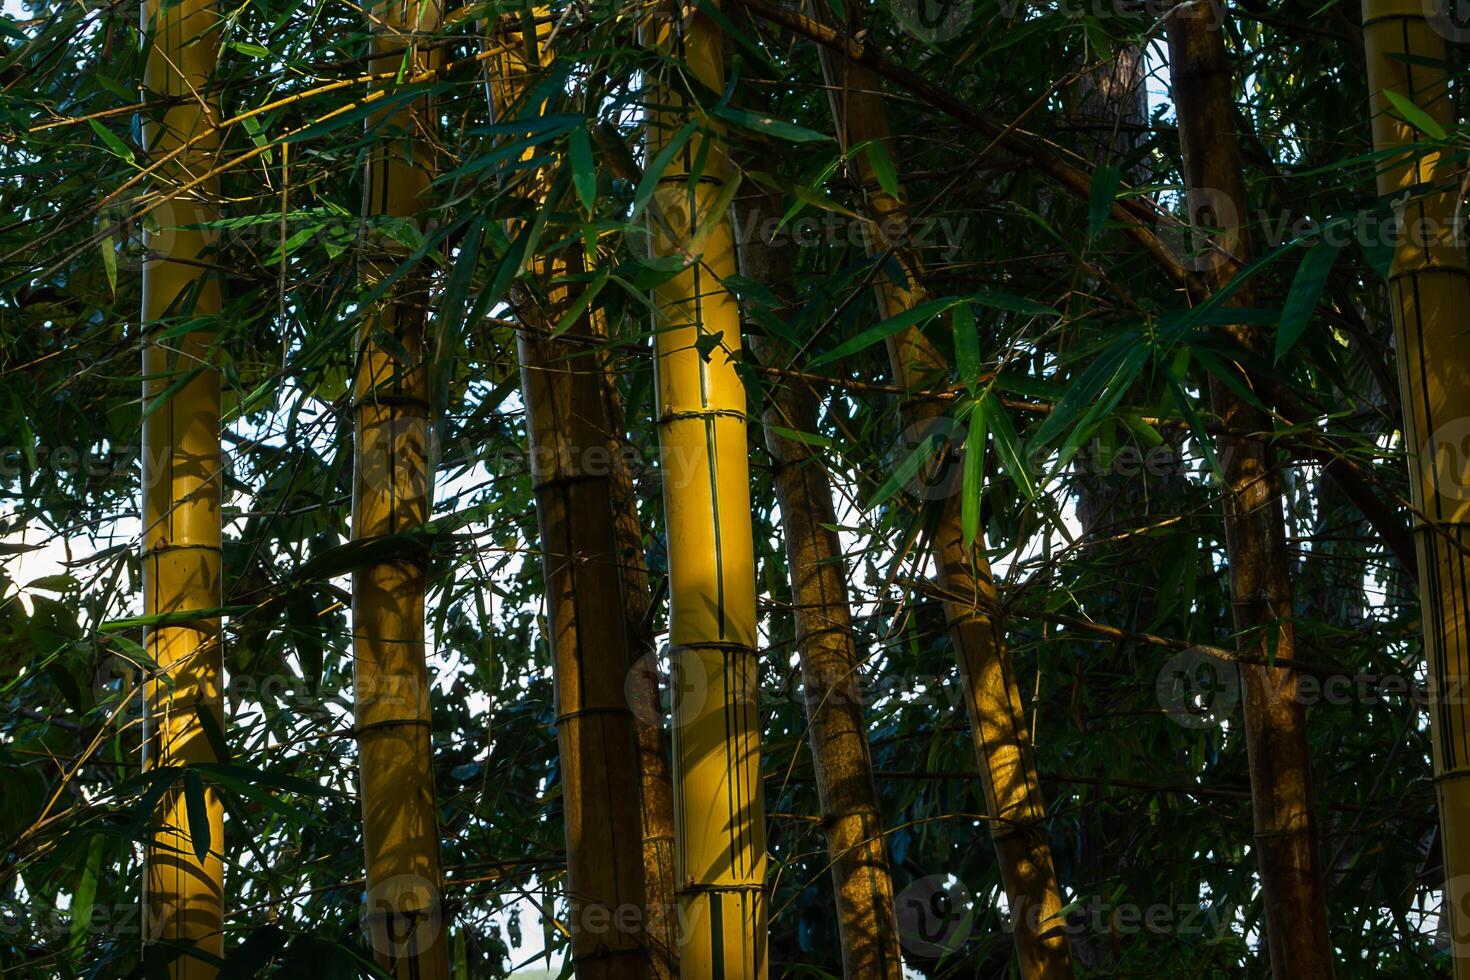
998, 730
719, 809
645, 680
393, 495
569, 434
1429, 286
1259, 564
183, 880
862, 880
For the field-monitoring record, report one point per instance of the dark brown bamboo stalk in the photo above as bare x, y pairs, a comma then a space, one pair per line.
997, 721
825, 642
1260, 578
569, 434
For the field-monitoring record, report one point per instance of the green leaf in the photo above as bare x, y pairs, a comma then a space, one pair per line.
85, 896
655, 170
1013, 304
197, 810
974, 479
116, 145
966, 346
1415, 116
887, 328
1196, 425
1306, 289
1007, 443
759, 122
883, 168
1105, 182
909, 466
584, 173
251, 50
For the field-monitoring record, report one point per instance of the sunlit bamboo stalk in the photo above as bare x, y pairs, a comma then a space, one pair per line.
184, 891
1429, 286
719, 809
392, 495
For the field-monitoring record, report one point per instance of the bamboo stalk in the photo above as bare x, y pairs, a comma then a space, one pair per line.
993, 700
569, 434
1429, 286
719, 810
183, 891
655, 776
1292, 888
393, 494
862, 880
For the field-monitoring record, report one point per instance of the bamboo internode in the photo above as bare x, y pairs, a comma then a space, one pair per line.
719, 811
1429, 285
181, 498
392, 495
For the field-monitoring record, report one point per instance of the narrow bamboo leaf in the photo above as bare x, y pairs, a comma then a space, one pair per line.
809, 438
287, 784
85, 896
907, 469
1306, 289
301, 611
655, 170
1007, 443
584, 172
966, 345
974, 479
887, 328
113, 142
197, 809
883, 168
1196, 425
109, 263
1105, 182
759, 122
1415, 116
1013, 304
170, 618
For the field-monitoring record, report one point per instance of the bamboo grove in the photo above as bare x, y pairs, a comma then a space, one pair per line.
728, 489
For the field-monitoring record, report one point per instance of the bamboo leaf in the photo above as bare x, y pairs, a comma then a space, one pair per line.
654, 172
197, 809
974, 479
1306, 289
1105, 182
883, 169
887, 328
584, 172
113, 142
1007, 443
1415, 116
966, 346
85, 895
759, 122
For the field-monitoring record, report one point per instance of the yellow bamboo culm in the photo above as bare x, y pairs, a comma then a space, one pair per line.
568, 433
184, 895
392, 494
719, 811
1429, 286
